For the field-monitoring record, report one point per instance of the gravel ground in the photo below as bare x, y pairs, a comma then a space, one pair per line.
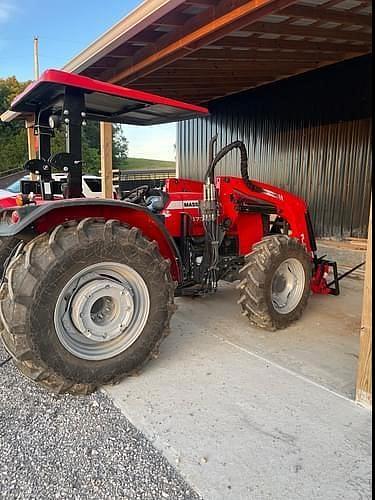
75, 448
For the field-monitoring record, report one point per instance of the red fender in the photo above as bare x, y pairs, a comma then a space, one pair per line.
45, 217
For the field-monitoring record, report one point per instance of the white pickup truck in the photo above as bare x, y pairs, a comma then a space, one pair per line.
91, 184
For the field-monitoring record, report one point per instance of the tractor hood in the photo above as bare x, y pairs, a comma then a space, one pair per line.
103, 101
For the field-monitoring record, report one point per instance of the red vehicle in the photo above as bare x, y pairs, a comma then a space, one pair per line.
89, 285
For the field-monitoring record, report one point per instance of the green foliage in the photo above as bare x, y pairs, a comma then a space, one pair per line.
144, 164
91, 146
13, 142
120, 146
13, 139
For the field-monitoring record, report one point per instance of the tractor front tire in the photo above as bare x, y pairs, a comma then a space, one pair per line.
275, 282
86, 305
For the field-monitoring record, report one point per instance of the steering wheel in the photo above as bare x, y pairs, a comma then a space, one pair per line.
137, 195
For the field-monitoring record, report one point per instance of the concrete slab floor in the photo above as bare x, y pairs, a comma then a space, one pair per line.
247, 414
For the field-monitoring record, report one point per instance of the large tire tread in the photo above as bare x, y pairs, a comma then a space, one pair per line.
7, 245
30, 267
254, 281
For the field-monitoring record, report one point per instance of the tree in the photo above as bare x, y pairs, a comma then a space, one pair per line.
91, 146
13, 139
120, 146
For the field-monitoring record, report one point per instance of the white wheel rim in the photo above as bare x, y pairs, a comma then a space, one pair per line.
102, 311
288, 285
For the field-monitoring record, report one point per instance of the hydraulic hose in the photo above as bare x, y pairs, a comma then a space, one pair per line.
210, 210
244, 164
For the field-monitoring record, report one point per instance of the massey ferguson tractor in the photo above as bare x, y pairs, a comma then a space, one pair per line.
88, 285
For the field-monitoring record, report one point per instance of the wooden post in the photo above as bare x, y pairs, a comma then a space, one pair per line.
30, 139
364, 378
31, 144
106, 159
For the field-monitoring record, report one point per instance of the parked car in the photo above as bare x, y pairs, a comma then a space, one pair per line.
7, 198
91, 185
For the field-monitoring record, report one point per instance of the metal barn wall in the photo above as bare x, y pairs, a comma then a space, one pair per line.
310, 135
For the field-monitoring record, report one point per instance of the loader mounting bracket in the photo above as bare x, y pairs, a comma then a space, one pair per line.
319, 283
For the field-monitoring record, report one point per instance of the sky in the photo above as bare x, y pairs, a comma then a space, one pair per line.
64, 29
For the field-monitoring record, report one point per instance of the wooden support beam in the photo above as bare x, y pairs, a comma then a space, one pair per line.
107, 62
196, 84
204, 86
254, 56
194, 80
298, 45
173, 19
327, 15
364, 377
146, 38
106, 159
204, 3
310, 31
31, 143
362, 5
122, 51
184, 70
203, 29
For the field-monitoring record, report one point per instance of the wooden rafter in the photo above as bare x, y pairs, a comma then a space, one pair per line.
253, 55
298, 45
327, 15
174, 19
225, 46
310, 32
204, 29
206, 84
220, 66
199, 3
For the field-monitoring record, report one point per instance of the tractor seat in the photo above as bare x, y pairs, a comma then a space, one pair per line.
156, 200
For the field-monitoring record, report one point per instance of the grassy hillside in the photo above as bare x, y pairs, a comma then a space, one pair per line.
144, 164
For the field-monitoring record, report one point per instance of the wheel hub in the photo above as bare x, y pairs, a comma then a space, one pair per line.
102, 310
288, 285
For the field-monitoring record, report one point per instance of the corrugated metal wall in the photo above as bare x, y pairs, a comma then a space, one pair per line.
310, 135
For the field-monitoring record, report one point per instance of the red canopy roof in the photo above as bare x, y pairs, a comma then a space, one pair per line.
104, 101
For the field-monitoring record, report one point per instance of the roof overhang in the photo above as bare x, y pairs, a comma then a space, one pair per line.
147, 13
199, 50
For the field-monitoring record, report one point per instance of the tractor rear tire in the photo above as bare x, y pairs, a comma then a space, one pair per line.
53, 278
7, 245
275, 282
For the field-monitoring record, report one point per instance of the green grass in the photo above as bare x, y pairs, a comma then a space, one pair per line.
144, 164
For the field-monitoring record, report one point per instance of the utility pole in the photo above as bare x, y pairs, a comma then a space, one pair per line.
31, 138
36, 57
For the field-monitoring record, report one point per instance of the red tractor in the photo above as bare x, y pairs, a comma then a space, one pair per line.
88, 286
